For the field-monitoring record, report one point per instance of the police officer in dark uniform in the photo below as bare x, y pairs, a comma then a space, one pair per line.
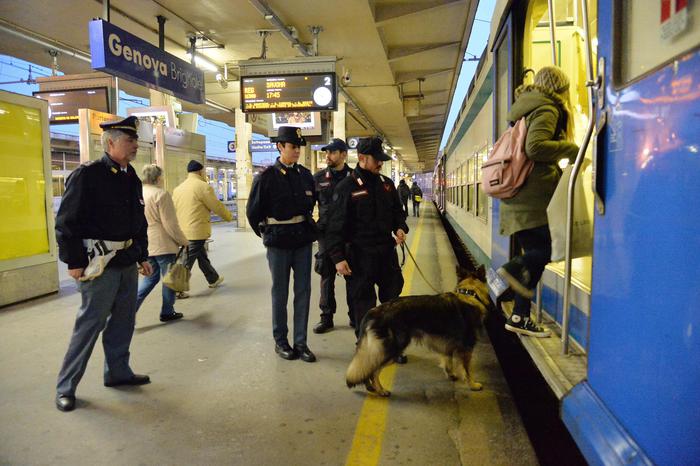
325, 181
366, 211
279, 208
101, 234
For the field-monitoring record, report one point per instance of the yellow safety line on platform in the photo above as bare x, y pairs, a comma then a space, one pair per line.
369, 432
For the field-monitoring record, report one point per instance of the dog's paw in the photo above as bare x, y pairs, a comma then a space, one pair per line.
369, 387
475, 386
383, 393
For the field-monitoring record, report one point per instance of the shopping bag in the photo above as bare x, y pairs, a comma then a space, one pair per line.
178, 276
582, 228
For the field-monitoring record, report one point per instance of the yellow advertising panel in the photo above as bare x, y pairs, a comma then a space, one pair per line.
23, 229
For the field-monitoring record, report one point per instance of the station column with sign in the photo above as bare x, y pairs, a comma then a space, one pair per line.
244, 166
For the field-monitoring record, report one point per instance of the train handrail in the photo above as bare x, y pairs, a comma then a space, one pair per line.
590, 84
553, 30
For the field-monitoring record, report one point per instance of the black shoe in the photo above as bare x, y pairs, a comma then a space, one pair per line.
65, 403
323, 326
169, 317
305, 353
135, 379
285, 351
401, 359
525, 326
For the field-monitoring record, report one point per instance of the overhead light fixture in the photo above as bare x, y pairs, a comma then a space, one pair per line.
269, 16
203, 63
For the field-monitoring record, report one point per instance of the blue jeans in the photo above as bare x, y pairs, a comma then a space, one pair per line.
281, 261
160, 266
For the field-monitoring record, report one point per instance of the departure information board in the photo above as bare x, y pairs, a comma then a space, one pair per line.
64, 104
289, 92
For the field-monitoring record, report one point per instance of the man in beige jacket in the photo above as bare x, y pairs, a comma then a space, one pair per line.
194, 200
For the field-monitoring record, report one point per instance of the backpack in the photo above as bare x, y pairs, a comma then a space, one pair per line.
507, 167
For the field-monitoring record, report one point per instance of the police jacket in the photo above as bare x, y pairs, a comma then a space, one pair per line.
283, 194
102, 202
366, 211
325, 182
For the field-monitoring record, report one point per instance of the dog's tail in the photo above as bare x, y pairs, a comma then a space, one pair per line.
369, 356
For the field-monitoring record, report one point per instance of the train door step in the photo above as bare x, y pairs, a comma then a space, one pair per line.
562, 372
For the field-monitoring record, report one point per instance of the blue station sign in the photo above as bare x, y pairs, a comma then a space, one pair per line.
122, 54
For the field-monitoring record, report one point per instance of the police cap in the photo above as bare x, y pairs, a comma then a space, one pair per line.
372, 146
290, 134
336, 144
129, 125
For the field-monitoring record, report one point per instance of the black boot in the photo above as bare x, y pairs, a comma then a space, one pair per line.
324, 325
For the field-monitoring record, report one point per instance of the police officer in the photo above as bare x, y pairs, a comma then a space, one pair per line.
325, 182
279, 208
366, 211
101, 234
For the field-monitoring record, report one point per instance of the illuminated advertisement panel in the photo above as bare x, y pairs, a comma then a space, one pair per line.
289, 93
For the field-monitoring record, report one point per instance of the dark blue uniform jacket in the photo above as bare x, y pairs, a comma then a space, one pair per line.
102, 202
281, 193
365, 212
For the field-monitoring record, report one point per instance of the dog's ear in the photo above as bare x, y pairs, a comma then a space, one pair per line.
481, 273
462, 273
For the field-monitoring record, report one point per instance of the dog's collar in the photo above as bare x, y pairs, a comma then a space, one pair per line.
468, 292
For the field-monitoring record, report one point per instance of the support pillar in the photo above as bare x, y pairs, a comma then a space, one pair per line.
339, 119
244, 166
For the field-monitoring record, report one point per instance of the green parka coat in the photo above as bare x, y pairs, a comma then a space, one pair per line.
544, 119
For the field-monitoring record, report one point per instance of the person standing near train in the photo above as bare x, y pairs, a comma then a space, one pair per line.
325, 182
279, 209
550, 131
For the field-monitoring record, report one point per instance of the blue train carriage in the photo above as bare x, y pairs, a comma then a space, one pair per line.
626, 363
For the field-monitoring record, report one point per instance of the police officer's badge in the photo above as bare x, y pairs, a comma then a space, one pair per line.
299, 133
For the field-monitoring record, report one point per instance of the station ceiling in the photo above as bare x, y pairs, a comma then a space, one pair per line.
388, 47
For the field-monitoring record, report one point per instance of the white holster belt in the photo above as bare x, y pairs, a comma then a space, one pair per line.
100, 252
291, 221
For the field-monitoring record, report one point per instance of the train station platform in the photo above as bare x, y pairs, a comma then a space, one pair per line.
220, 394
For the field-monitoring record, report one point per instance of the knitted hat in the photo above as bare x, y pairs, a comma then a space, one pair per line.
194, 166
553, 79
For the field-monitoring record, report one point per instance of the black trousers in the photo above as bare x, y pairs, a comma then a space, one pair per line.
197, 252
535, 247
372, 267
327, 302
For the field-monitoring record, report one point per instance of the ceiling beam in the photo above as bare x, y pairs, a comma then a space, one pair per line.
390, 11
406, 76
398, 53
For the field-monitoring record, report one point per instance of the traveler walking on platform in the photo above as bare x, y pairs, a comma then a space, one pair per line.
545, 105
416, 198
101, 235
325, 182
164, 239
365, 213
279, 208
194, 200
404, 194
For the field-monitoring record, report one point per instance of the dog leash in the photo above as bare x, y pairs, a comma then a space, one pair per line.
418, 268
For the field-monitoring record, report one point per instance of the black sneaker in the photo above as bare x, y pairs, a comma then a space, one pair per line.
516, 284
525, 326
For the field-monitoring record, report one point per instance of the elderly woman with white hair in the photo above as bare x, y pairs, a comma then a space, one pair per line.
164, 239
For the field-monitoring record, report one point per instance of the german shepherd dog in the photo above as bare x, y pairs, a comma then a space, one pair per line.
445, 323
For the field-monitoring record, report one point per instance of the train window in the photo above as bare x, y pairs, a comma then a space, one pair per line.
652, 37
501, 90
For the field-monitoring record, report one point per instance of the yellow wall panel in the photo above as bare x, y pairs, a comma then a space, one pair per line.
23, 222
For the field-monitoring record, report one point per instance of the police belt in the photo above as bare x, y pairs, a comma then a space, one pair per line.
105, 245
291, 221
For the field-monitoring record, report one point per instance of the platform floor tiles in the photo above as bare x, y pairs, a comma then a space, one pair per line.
221, 396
